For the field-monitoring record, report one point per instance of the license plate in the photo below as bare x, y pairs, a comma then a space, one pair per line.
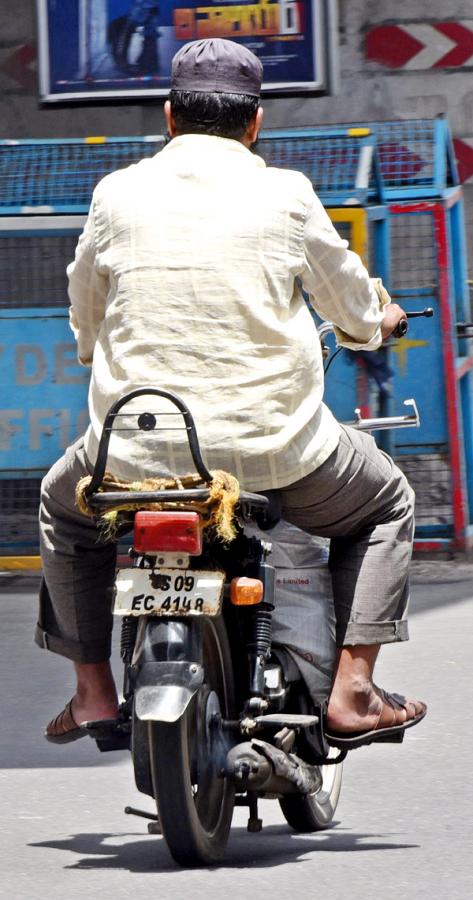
168, 592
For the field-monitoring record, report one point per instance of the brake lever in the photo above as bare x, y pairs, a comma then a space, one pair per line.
403, 325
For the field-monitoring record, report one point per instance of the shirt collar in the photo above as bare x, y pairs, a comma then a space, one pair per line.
209, 143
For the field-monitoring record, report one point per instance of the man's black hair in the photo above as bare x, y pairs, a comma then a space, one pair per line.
222, 115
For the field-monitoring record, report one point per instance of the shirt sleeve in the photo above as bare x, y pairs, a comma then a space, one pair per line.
339, 286
88, 291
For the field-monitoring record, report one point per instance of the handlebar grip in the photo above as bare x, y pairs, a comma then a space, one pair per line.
401, 328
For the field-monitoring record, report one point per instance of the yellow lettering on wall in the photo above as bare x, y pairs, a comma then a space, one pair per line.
241, 20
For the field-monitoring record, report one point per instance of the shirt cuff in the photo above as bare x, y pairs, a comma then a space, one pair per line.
344, 340
376, 340
381, 291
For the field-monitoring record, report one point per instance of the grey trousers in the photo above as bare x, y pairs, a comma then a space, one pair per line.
358, 498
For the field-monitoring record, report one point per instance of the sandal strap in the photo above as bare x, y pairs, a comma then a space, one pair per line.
387, 701
63, 722
397, 701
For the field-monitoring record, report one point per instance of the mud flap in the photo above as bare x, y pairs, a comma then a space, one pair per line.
164, 702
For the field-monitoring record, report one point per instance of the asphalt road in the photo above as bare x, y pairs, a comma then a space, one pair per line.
404, 822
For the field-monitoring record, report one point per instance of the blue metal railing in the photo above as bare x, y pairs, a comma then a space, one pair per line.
349, 164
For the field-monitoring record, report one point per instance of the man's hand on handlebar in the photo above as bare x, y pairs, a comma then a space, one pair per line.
392, 316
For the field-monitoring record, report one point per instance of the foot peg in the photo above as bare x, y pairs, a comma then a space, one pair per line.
286, 720
110, 734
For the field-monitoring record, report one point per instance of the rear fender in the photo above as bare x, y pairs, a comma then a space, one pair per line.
168, 666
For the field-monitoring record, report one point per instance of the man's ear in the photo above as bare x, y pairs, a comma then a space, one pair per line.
254, 128
169, 118
259, 119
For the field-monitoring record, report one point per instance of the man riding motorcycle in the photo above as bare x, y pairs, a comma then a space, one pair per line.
189, 276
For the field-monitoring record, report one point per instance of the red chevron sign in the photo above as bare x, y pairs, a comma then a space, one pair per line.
464, 155
414, 45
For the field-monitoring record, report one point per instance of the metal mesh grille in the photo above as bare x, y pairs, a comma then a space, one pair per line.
33, 270
406, 152
62, 175
430, 476
19, 501
330, 163
413, 248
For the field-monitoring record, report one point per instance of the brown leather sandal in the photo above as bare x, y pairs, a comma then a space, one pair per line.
394, 734
64, 727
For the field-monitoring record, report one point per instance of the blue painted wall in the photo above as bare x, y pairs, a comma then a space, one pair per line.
43, 403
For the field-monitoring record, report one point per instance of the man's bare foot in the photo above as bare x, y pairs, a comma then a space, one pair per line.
99, 708
356, 704
96, 694
367, 707
95, 698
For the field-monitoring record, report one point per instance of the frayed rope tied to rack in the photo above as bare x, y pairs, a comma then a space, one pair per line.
218, 510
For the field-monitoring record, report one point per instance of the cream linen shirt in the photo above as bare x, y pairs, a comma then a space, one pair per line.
188, 276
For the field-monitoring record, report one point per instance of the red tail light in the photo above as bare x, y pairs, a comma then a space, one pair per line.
168, 532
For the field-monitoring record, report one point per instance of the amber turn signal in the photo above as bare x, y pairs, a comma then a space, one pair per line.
246, 591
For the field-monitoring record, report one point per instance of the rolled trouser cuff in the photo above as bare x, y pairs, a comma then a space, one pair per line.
358, 633
92, 652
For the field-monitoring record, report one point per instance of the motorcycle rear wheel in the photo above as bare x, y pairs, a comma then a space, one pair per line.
315, 812
195, 805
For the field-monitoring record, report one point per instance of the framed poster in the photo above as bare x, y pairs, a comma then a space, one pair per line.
123, 48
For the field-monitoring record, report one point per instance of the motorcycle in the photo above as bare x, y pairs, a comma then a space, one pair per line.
214, 713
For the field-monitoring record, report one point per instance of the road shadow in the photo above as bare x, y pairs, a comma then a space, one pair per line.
275, 846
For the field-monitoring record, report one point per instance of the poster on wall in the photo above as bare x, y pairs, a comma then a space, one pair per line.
123, 48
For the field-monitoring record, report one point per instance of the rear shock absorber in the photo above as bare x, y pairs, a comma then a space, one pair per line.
127, 646
259, 632
128, 637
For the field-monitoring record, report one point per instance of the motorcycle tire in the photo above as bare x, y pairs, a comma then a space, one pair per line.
315, 812
195, 804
